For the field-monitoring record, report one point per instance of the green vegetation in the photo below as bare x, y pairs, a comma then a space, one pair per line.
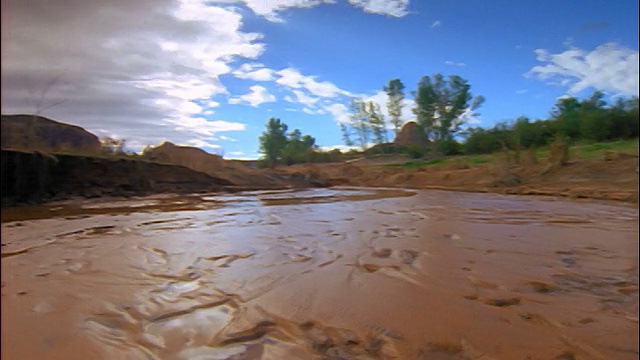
442, 105
460, 161
579, 151
584, 129
599, 150
366, 123
576, 122
395, 96
278, 146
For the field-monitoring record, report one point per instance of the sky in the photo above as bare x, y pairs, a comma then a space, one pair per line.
210, 74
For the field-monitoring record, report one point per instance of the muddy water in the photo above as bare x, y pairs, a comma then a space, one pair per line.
322, 274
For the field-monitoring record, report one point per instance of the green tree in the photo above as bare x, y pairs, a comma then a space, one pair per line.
624, 119
365, 121
298, 148
273, 140
441, 105
376, 122
395, 96
566, 117
529, 134
346, 134
359, 124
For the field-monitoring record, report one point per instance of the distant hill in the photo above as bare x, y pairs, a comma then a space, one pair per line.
37, 133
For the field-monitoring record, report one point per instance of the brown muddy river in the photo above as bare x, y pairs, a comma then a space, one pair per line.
321, 274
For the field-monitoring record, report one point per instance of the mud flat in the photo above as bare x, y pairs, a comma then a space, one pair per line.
321, 274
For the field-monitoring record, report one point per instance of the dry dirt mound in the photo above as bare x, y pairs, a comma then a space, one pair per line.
239, 175
29, 132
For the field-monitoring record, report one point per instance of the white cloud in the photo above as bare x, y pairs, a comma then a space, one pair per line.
269, 8
136, 79
292, 78
609, 67
200, 144
340, 112
301, 98
205, 127
310, 111
395, 8
435, 24
226, 138
258, 95
522, 91
453, 63
255, 72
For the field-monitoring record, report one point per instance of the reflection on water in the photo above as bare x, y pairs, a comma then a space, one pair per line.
327, 274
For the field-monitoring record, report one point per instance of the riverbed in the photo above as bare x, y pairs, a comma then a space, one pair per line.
340, 273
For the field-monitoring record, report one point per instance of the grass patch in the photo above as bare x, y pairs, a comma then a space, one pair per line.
476, 161
418, 164
598, 150
579, 151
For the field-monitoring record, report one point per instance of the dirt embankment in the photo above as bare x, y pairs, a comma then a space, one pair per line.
37, 177
613, 178
34, 177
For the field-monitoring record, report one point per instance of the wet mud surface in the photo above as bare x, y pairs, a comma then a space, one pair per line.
321, 274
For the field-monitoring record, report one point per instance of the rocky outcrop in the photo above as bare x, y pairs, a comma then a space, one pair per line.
36, 133
411, 135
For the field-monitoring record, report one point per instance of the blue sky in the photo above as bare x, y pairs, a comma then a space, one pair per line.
211, 74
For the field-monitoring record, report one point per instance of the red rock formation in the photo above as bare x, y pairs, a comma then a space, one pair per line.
411, 135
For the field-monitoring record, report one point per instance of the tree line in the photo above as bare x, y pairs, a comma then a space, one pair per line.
442, 109
571, 120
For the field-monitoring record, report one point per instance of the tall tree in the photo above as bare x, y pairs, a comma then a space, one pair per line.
359, 122
441, 105
346, 134
376, 122
273, 140
395, 96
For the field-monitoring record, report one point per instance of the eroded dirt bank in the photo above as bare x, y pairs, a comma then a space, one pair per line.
612, 178
33, 177
324, 274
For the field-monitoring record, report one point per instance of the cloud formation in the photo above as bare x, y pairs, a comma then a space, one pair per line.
269, 9
255, 72
114, 71
609, 67
258, 95
395, 8
146, 70
293, 79
453, 63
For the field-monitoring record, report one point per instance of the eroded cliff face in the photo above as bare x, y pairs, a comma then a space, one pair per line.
32, 177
